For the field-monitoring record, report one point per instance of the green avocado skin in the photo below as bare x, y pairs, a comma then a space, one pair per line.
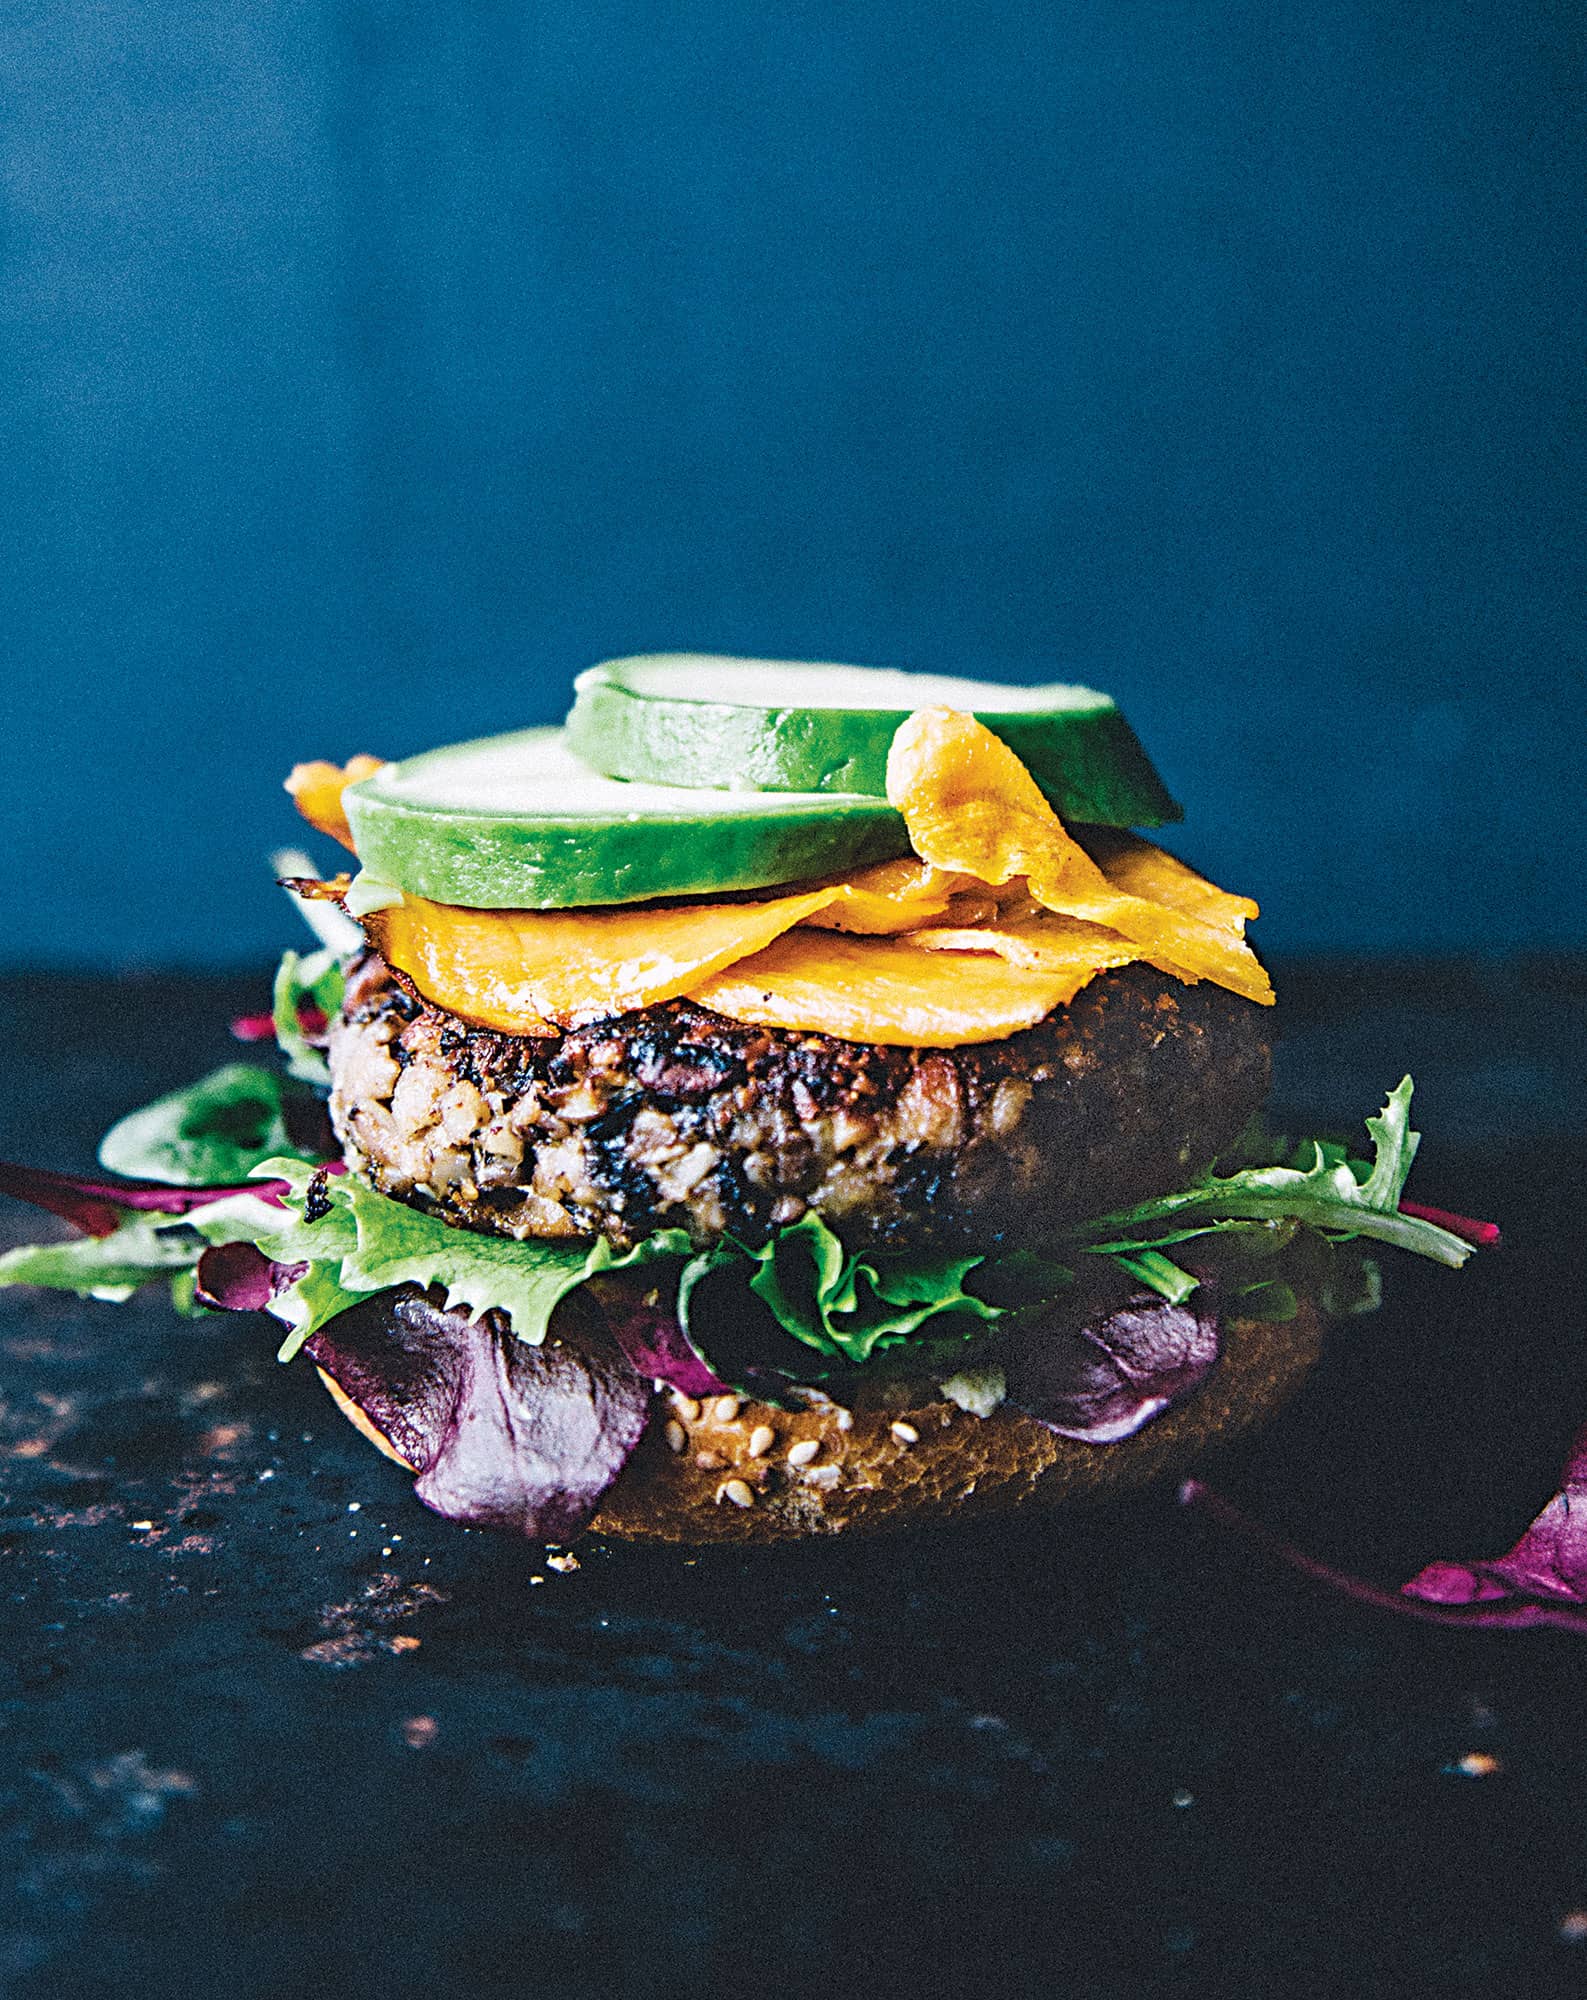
490, 861
1089, 764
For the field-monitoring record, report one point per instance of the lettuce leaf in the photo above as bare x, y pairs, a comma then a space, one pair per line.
303, 1258
853, 1305
653, 1338
310, 1301
1106, 1378
359, 1242
96, 1207
1320, 1187
213, 1131
364, 1242
398, 1245
500, 1434
1158, 1274
132, 1233
138, 1251
1547, 1566
1542, 1582
849, 1306
308, 984
235, 1277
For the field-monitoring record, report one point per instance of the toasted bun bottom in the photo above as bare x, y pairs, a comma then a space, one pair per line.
720, 1472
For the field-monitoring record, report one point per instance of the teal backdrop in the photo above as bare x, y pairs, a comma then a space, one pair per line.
368, 367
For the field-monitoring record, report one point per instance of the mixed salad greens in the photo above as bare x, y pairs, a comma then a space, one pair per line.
227, 1192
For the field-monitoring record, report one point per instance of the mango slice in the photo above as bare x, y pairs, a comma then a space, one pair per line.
530, 972
970, 805
1140, 869
893, 896
1042, 943
317, 789
889, 990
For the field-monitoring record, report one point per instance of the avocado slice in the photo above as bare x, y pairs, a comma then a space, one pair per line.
519, 822
700, 720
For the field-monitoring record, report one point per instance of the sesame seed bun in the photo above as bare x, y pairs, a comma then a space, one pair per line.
732, 1470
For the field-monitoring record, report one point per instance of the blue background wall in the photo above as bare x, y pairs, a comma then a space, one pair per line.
370, 367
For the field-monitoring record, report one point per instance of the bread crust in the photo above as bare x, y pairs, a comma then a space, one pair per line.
718, 1471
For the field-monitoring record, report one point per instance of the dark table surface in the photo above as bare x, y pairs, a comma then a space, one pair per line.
269, 1727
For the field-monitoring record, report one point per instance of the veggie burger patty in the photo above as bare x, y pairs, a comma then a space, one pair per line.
677, 1117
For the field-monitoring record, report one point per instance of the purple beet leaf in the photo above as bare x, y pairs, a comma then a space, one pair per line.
651, 1339
1109, 1376
1548, 1565
235, 1277
1541, 1582
96, 1206
500, 1434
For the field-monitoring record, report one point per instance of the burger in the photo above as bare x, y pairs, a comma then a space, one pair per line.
784, 1100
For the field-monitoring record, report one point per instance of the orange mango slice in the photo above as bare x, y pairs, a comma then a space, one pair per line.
317, 793
1140, 869
530, 972
893, 896
888, 990
1038, 944
970, 805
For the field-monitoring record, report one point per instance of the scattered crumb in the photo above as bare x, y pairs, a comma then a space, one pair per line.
1475, 1764
354, 1632
404, 1642
420, 1731
563, 1563
1573, 1927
